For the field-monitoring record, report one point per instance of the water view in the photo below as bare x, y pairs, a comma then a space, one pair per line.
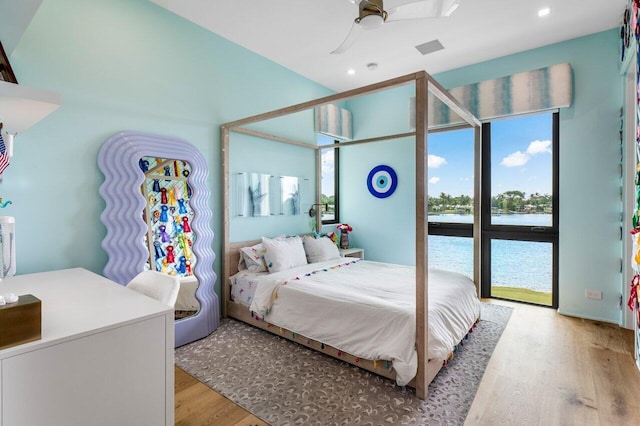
514, 264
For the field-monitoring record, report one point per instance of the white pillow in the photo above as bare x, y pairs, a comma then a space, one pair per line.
280, 255
251, 259
319, 249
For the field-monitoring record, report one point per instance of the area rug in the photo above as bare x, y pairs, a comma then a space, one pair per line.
284, 383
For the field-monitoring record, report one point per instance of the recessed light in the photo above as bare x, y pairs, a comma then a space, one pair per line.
351, 71
544, 12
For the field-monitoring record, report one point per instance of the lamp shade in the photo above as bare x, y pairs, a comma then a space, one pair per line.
21, 106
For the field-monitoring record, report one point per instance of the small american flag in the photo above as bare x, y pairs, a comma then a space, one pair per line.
4, 155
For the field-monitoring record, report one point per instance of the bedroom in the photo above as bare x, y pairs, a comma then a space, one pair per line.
118, 67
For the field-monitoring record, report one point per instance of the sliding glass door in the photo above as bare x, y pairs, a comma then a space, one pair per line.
520, 214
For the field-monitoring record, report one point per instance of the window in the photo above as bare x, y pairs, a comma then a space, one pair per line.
330, 176
451, 185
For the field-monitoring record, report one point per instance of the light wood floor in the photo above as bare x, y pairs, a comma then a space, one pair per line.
197, 404
547, 369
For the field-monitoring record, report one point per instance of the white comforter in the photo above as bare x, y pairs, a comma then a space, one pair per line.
368, 309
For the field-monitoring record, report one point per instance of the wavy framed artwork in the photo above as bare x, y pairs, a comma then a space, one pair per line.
126, 242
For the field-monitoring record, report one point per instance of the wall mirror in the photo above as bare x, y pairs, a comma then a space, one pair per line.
289, 196
260, 194
157, 217
253, 194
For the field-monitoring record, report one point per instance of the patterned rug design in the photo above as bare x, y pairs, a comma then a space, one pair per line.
284, 383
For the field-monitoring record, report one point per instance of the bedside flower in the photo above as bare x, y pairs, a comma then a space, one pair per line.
344, 227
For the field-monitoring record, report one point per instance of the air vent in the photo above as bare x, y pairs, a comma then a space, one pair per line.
430, 47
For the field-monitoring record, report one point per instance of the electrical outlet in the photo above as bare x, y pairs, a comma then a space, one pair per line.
593, 294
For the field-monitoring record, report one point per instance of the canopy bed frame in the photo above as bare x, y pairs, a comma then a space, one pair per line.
424, 85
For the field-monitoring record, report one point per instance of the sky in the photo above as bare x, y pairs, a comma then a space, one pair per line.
520, 157
328, 184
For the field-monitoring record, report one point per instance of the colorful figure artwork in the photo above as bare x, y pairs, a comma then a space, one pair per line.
159, 251
144, 164
167, 214
163, 216
181, 207
164, 237
170, 256
177, 228
182, 267
185, 224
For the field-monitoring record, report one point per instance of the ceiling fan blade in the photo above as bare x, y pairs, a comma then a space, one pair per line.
423, 9
349, 40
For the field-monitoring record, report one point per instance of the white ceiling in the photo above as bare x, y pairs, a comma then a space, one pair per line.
300, 34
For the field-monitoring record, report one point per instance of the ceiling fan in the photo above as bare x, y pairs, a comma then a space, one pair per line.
372, 15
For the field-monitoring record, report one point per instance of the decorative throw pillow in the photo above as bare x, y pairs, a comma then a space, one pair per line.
280, 255
251, 258
319, 249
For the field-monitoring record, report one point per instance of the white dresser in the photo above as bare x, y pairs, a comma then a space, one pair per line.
105, 357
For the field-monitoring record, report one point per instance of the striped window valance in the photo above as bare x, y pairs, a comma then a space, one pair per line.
333, 121
525, 92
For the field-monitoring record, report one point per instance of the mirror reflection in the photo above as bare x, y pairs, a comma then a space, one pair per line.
169, 237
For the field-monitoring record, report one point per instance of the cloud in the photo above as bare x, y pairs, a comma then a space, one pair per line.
434, 179
520, 158
539, 147
435, 161
515, 160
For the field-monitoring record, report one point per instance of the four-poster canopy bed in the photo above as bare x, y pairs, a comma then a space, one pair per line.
424, 85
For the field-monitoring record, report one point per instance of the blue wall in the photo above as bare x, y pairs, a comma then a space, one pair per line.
122, 65
255, 155
590, 204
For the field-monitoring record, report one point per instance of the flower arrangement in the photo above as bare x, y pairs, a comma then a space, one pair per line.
344, 227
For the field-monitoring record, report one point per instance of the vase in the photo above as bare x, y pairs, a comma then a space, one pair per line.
344, 240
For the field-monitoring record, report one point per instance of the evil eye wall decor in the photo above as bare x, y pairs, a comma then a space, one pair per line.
382, 181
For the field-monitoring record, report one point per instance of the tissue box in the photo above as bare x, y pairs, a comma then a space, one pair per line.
20, 322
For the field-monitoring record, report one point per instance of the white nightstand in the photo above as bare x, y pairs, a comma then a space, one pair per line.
352, 252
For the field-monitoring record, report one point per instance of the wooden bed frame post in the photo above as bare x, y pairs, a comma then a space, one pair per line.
318, 190
224, 290
422, 284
